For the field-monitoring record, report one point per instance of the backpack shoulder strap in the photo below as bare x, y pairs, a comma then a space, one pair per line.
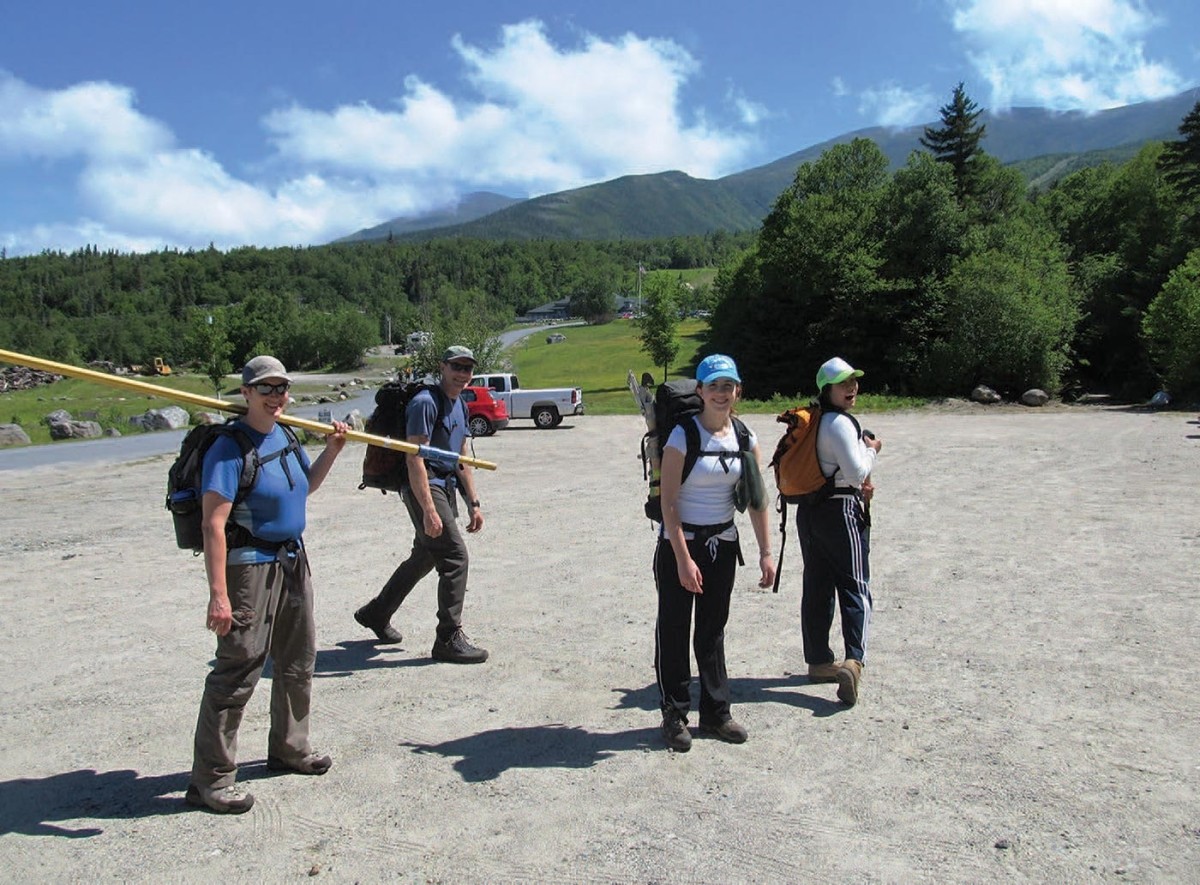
250, 459
293, 445
691, 453
743, 434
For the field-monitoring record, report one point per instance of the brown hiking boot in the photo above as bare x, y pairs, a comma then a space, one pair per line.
848, 677
233, 799
823, 672
675, 731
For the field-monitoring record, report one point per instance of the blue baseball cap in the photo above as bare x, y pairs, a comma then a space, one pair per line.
717, 366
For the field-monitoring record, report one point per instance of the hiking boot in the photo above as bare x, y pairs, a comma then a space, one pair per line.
823, 672
384, 631
848, 677
458, 650
729, 731
233, 799
675, 731
313, 763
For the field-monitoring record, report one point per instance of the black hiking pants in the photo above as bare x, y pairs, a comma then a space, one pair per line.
672, 663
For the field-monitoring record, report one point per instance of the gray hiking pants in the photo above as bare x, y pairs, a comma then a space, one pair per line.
272, 606
447, 553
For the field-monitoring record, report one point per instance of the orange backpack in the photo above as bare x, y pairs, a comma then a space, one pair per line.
797, 471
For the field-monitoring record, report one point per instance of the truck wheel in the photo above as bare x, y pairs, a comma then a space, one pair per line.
481, 426
545, 417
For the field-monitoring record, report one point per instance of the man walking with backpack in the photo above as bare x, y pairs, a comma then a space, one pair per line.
437, 417
260, 590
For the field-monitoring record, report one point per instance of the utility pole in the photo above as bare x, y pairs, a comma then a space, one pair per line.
641, 272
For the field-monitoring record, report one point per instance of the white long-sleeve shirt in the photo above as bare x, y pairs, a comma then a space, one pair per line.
840, 448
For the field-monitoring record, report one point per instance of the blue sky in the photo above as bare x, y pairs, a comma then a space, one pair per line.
137, 126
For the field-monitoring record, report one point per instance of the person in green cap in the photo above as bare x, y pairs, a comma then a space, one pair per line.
835, 536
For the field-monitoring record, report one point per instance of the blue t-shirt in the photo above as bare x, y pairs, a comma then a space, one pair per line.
449, 434
275, 508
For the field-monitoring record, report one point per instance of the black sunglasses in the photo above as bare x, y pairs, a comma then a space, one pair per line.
266, 388
462, 367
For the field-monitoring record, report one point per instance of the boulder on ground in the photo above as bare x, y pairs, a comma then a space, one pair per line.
1035, 397
170, 418
13, 435
75, 430
984, 394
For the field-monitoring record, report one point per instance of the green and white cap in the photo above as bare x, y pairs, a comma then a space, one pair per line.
835, 371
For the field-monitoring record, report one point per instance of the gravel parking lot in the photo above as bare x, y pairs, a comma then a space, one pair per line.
1027, 710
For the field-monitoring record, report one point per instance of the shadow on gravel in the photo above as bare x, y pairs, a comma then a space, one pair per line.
487, 755
792, 690
354, 655
33, 806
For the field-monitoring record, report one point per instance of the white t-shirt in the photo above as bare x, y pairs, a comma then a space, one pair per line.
706, 496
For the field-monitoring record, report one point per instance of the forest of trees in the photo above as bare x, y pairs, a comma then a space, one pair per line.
319, 306
936, 276
948, 272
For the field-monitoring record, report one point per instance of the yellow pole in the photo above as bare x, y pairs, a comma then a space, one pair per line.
207, 402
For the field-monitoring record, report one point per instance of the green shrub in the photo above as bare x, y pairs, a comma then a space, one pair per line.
1172, 328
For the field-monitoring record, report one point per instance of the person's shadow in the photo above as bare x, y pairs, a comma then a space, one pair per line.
32, 805
488, 754
791, 690
353, 655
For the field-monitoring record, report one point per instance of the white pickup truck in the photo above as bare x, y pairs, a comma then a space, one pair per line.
546, 407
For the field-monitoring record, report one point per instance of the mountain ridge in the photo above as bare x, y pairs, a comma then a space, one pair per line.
672, 203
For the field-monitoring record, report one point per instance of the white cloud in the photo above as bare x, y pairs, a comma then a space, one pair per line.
545, 119
895, 107
97, 119
75, 235
750, 113
541, 118
1064, 54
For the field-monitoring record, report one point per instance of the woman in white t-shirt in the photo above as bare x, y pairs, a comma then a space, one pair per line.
697, 556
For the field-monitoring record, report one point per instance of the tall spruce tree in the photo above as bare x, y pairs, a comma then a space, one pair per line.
1180, 164
957, 140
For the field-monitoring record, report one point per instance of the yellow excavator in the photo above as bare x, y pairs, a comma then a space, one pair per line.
159, 367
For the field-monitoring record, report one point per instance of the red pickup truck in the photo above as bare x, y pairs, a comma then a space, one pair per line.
487, 413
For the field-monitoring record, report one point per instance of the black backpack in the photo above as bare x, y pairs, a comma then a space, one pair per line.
387, 469
183, 479
676, 402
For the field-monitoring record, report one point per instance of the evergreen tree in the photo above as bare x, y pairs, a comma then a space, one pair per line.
957, 141
1180, 164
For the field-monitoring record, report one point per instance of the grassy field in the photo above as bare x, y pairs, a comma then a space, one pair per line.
89, 401
598, 359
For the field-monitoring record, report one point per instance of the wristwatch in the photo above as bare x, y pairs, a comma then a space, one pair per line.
474, 505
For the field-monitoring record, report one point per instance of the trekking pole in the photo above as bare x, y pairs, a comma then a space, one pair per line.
196, 399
